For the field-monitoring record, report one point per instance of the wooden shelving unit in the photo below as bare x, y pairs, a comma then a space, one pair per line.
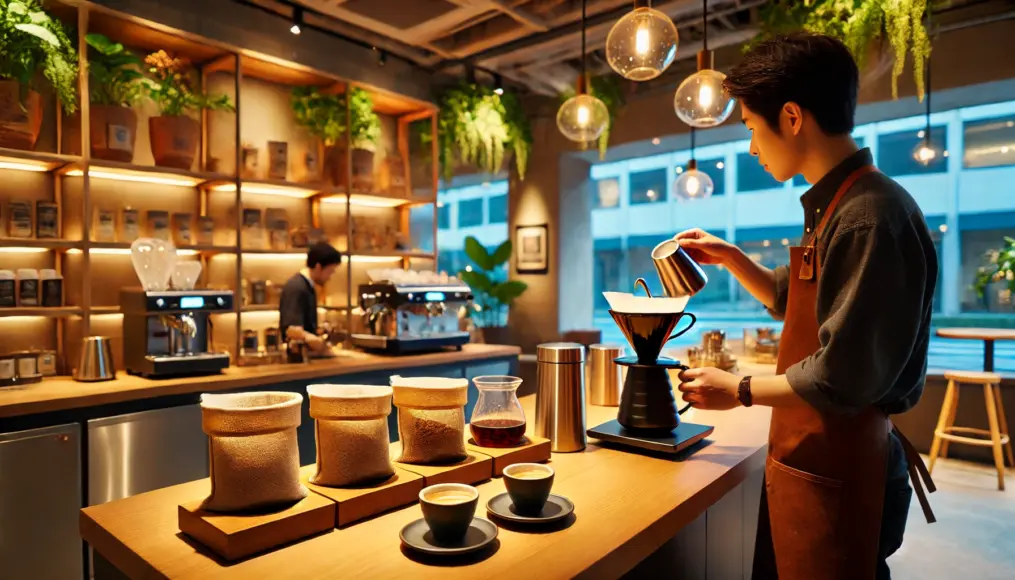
259, 86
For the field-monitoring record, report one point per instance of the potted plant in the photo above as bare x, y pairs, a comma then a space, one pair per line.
30, 43
115, 84
1000, 267
490, 295
174, 135
476, 126
323, 116
365, 133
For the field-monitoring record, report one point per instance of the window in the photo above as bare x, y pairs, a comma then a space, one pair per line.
470, 212
497, 209
982, 234
989, 143
895, 152
606, 193
648, 186
714, 168
751, 176
799, 181
608, 269
443, 215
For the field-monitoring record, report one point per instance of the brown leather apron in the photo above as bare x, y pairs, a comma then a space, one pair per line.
825, 474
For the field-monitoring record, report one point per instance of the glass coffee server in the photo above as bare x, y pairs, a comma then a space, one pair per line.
498, 419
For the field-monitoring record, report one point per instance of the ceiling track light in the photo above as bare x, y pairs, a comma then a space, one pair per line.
701, 101
642, 44
498, 84
583, 117
693, 183
296, 28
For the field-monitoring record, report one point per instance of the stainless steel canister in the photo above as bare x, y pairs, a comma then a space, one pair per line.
560, 395
604, 374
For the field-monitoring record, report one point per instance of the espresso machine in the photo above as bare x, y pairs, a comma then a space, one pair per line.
406, 311
168, 333
648, 417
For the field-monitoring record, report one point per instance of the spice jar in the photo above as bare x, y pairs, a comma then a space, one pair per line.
250, 341
8, 294
28, 287
51, 284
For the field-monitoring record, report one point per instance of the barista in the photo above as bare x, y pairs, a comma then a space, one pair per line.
856, 299
297, 307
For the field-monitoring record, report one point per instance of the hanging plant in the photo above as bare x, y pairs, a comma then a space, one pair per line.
476, 126
608, 89
858, 23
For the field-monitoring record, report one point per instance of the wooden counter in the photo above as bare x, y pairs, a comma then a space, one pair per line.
63, 393
626, 506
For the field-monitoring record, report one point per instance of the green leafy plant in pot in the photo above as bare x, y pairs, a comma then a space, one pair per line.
324, 116
999, 267
32, 43
115, 84
490, 295
174, 135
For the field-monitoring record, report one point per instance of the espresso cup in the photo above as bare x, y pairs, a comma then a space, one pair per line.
529, 485
448, 509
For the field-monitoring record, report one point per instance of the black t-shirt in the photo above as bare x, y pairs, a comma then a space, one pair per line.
298, 305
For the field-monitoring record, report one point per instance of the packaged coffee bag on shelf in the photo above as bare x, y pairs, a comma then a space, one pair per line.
253, 452
431, 418
351, 428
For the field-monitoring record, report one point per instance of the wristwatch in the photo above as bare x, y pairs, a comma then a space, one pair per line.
744, 392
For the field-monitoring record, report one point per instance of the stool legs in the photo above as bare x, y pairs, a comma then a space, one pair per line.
1004, 424
995, 433
956, 391
947, 410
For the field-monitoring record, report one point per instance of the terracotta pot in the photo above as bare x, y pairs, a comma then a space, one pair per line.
113, 133
174, 140
335, 164
20, 121
496, 335
362, 169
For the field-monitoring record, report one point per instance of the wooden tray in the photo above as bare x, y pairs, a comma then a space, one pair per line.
473, 469
356, 503
235, 536
535, 450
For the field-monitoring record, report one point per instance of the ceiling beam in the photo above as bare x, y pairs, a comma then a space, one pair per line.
520, 15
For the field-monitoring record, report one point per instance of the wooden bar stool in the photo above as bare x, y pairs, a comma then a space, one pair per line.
995, 437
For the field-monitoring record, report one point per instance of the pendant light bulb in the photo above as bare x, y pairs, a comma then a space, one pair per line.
297, 20
693, 184
642, 44
925, 153
582, 118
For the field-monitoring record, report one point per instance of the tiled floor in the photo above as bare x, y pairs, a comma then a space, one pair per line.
974, 537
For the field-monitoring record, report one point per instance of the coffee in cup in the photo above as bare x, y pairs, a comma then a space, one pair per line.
529, 485
448, 509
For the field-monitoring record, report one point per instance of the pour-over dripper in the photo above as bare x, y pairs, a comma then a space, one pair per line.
648, 333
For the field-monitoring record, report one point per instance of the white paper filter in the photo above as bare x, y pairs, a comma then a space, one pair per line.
631, 304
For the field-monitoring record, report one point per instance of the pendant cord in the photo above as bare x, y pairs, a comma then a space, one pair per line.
692, 143
704, 24
926, 75
585, 79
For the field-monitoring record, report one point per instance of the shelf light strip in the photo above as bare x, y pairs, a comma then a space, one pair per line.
125, 252
21, 250
135, 177
267, 190
36, 166
374, 259
366, 201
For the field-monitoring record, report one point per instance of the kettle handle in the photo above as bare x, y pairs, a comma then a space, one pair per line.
687, 406
688, 327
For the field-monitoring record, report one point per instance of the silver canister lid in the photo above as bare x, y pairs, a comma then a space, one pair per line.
560, 352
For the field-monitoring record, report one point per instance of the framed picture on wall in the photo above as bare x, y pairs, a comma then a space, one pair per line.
532, 249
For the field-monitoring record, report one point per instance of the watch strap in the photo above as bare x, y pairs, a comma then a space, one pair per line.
744, 392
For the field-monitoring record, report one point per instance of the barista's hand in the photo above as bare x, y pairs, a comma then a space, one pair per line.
710, 388
316, 343
705, 248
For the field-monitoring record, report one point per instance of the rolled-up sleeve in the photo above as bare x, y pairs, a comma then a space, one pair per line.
778, 310
869, 307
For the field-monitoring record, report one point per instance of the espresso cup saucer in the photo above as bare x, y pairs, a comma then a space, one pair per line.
417, 536
556, 508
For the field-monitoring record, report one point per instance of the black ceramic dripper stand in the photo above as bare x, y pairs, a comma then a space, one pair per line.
648, 416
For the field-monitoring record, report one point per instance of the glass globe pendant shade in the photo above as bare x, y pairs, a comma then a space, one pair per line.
693, 184
926, 153
642, 44
582, 118
701, 101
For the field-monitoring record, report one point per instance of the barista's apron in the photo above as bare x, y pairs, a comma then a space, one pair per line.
825, 475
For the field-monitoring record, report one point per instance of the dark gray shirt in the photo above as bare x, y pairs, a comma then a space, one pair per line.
298, 305
875, 292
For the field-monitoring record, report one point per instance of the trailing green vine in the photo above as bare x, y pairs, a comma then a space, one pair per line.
858, 23
609, 90
476, 126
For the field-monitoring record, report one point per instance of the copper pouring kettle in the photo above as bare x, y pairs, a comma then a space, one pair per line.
678, 272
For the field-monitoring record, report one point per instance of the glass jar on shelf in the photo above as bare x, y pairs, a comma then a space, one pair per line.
498, 419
